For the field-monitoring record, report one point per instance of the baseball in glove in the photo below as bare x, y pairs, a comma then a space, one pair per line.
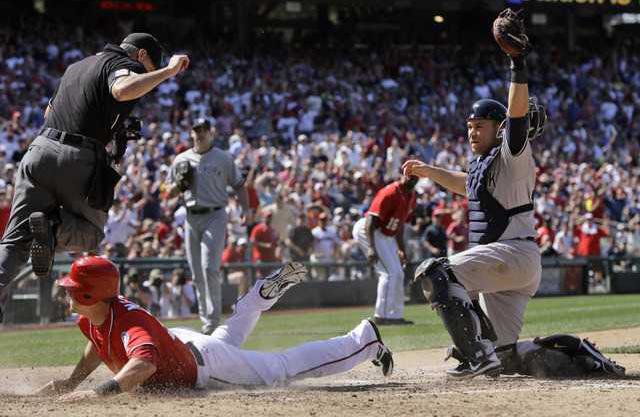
508, 31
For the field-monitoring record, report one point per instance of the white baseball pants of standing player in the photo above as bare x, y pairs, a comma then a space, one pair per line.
226, 362
390, 300
204, 236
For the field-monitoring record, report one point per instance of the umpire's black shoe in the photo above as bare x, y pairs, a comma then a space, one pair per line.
384, 357
43, 245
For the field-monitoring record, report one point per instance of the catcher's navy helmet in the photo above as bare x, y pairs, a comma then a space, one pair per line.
488, 109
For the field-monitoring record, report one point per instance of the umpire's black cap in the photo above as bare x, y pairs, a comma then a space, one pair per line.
201, 122
148, 42
488, 109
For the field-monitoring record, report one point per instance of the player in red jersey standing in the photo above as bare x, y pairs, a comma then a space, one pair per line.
140, 351
380, 235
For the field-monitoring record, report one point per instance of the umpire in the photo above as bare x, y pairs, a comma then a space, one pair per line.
65, 182
203, 175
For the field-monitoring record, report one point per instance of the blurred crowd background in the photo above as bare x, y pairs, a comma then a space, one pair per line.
317, 132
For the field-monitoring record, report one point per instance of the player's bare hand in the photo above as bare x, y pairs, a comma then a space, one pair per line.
415, 168
57, 386
177, 64
76, 396
372, 256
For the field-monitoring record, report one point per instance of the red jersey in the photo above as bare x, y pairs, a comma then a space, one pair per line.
264, 234
392, 206
589, 239
131, 332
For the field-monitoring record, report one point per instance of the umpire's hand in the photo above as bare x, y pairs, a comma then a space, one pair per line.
178, 64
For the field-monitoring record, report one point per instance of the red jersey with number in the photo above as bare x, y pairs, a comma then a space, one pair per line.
129, 332
392, 205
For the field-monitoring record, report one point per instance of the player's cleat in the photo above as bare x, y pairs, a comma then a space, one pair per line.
282, 279
607, 365
43, 245
384, 358
465, 370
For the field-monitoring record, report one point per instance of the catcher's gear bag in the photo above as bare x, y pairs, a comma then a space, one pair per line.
557, 356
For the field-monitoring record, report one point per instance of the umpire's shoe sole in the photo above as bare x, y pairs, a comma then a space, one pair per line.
42, 247
384, 357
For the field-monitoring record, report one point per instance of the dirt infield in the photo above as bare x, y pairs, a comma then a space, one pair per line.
417, 388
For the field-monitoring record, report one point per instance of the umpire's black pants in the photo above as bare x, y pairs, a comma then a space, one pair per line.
52, 176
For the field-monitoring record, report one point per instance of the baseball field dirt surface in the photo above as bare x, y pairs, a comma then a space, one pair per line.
417, 388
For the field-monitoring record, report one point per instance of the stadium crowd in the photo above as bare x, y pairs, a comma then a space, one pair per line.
318, 133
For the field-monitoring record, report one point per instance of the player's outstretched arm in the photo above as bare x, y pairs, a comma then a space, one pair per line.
134, 373
87, 364
454, 181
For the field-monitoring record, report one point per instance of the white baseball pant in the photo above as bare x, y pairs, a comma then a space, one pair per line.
390, 300
225, 362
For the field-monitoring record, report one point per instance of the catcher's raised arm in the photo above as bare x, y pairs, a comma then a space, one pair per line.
509, 33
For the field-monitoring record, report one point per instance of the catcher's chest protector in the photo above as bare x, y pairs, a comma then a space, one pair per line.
488, 219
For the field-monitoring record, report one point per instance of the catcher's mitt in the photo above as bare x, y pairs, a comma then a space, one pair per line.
184, 175
508, 31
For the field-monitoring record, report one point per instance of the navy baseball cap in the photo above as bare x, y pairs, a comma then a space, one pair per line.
201, 122
148, 42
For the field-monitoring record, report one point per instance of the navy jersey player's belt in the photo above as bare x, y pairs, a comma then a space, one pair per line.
202, 210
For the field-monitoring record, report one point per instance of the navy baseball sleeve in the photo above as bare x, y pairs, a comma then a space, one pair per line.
516, 133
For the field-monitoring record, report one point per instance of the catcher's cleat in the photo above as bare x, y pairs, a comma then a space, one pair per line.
607, 365
384, 357
282, 279
465, 370
43, 245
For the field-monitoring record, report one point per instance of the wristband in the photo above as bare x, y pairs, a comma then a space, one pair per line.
519, 72
111, 387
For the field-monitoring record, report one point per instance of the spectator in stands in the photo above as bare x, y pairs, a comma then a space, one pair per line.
325, 245
264, 241
236, 252
301, 240
435, 237
457, 232
182, 298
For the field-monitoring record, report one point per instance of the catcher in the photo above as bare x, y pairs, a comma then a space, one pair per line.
481, 294
139, 350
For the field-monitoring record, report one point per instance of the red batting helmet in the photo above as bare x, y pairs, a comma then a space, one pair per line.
92, 279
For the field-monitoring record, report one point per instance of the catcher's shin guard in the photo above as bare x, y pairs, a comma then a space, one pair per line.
463, 325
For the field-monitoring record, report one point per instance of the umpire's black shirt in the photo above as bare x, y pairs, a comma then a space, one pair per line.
82, 102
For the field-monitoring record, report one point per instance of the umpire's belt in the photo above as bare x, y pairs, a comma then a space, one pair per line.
70, 138
202, 210
196, 353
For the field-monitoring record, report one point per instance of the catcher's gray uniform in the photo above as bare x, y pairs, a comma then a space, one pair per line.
206, 224
502, 265
506, 273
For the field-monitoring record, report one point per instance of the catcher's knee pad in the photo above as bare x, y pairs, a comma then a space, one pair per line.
434, 275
